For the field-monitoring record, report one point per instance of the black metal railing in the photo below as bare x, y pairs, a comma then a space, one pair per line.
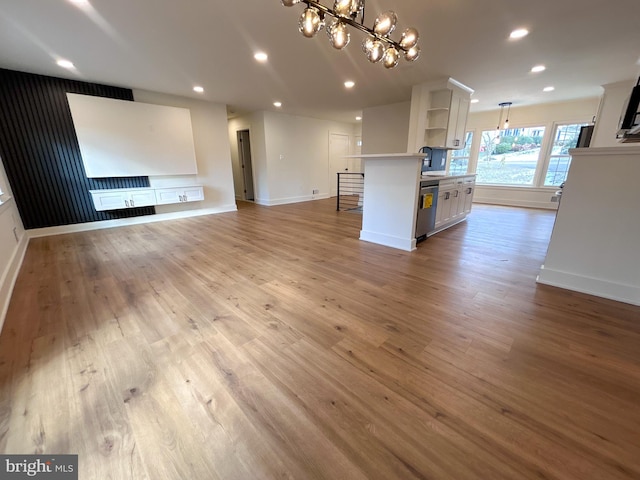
350, 192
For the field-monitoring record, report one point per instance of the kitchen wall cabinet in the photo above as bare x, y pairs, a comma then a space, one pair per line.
119, 198
439, 115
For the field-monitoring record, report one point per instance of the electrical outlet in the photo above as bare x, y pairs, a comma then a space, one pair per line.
316, 191
554, 199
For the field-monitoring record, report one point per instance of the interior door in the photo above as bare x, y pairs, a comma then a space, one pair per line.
338, 150
244, 153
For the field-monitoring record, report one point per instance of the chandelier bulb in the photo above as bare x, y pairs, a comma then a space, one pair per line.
385, 24
412, 54
409, 38
290, 3
390, 58
310, 22
338, 35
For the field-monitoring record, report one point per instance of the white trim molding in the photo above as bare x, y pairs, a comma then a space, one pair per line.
591, 286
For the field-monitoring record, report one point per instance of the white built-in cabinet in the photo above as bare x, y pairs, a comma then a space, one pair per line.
166, 196
439, 115
119, 198
455, 196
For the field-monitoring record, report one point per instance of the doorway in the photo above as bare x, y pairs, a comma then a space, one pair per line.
338, 150
244, 158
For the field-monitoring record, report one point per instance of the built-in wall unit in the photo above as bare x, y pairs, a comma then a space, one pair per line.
293, 158
80, 156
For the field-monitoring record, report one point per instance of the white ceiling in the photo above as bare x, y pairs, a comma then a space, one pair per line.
169, 46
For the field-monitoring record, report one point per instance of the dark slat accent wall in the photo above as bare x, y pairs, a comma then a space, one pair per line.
41, 155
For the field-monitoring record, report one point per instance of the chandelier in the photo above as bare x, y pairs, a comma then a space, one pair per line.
377, 46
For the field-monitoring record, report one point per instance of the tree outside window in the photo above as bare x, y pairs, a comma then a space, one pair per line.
509, 157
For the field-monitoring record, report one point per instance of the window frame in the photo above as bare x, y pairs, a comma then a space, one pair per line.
549, 150
544, 146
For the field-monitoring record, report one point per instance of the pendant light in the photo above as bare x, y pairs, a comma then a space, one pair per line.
377, 46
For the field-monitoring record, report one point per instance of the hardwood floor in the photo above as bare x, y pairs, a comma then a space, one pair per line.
272, 343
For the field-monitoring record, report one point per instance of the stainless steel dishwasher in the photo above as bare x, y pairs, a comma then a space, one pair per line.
427, 203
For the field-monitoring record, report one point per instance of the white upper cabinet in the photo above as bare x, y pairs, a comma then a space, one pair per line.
439, 115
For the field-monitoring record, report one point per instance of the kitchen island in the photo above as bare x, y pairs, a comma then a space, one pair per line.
391, 199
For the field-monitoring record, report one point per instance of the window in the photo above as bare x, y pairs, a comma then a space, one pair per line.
564, 138
509, 157
460, 158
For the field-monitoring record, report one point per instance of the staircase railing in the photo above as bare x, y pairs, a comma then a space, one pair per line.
350, 191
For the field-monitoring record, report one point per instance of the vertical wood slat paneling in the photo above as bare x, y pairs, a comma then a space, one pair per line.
41, 155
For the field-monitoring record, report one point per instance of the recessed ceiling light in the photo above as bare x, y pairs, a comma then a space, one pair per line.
198, 89
548, 89
277, 104
474, 100
64, 63
519, 33
261, 57
349, 84
358, 118
538, 69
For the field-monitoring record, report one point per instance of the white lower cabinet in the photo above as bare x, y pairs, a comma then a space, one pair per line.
454, 201
119, 198
166, 196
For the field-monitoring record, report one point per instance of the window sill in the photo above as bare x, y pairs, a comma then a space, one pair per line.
517, 187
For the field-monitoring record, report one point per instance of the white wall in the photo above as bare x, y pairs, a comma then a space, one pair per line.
613, 99
546, 115
385, 129
213, 157
594, 244
290, 155
13, 243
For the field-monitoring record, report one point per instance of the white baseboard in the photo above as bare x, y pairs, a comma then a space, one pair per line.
406, 244
287, 200
121, 222
10, 275
591, 286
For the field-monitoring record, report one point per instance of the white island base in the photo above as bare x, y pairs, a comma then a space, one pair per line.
391, 188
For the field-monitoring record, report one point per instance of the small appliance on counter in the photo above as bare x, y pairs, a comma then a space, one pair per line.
435, 160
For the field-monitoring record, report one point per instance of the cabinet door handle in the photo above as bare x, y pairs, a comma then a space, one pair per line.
132, 204
446, 196
457, 191
469, 190
456, 142
185, 198
126, 202
182, 198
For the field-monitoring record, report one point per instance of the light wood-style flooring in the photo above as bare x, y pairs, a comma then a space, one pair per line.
270, 343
